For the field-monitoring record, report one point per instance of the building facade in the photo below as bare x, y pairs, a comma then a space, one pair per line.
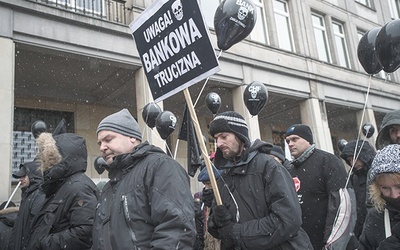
77, 60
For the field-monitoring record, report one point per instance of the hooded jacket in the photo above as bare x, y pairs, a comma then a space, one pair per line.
66, 218
7, 220
265, 205
358, 178
390, 119
32, 199
146, 204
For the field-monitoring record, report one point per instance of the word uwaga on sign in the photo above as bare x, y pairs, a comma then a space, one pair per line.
174, 46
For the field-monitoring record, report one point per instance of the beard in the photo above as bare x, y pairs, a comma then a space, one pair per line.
230, 155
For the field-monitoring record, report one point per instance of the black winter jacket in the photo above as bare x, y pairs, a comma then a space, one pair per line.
267, 205
146, 204
32, 199
66, 217
319, 175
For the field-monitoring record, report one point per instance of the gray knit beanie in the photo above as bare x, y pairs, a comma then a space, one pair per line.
386, 160
121, 122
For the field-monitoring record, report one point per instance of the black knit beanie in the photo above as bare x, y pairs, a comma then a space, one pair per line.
121, 122
301, 130
233, 122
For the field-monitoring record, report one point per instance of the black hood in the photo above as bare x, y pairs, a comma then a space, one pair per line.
61, 155
383, 139
366, 155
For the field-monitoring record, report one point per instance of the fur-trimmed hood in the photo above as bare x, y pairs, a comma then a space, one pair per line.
9, 210
62, 155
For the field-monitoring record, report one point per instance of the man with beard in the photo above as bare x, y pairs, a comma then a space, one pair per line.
359, 156
260, 208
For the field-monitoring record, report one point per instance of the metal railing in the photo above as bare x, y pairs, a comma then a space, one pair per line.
111, 10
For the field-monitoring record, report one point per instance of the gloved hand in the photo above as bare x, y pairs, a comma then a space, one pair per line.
221, 216
207, 197
223, 221
396, 231
389, 243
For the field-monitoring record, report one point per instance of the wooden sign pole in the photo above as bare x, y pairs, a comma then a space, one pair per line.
202, 146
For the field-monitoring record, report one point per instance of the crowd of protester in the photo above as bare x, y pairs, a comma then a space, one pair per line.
265, 200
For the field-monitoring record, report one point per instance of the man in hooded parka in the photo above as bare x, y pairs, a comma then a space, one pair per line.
66, 217
32, 199
389, 132
362, 163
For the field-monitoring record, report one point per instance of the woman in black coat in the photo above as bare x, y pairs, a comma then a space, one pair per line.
385, 195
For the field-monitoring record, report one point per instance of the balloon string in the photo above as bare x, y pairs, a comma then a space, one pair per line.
355, 155
205, 83
176, 148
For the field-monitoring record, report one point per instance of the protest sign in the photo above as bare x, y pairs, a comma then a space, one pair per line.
174, 46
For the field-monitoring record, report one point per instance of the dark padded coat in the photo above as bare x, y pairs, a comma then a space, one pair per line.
267, 204
66, 218
319, 176
146, 204
358, 178
374, 229
32, 199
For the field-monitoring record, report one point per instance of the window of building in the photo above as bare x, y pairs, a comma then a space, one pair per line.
340, 42
283, 25
367, 3
321, 38
95, 7
260, 32
394, 6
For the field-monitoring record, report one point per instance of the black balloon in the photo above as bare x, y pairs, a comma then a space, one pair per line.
38, 127
341, 144
165, 124
387, 46
255, 96
213, 102
233, 21
150, 113
100, 165
368, 129
366, 52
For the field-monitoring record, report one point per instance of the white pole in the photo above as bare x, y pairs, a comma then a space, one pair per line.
15, 190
